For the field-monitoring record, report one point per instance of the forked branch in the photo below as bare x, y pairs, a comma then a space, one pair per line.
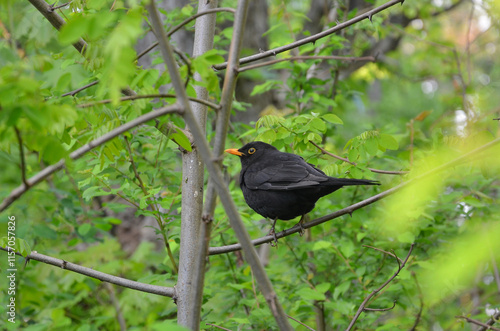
362, 307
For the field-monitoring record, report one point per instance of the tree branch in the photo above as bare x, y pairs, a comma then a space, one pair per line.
386, 172
296, 320
483, 325
74, 92
215, 172
312, 57
490, 322
353, 207
60, 6
381, 309
385, 252
40, 176
186, 21
365, 302
154, 289
313, 38
57, 21
149, 96
421, 300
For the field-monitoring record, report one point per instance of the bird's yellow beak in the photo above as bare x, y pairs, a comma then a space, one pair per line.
234, 151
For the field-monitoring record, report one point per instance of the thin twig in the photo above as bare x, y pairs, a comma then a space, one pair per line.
74, 92
21, 155
52, 8
40, 176
421, 299
386, 172
365, 301
218, 327
312, 57
296, 320
313, 38
473, 321
381, 309
154, 289
491, 321
149, 96
385, 252
180, 25
116, 306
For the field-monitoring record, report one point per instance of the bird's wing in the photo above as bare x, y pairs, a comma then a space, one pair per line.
290, 174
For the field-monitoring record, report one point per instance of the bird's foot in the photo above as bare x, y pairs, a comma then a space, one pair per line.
302, 229
273, 243
273, 233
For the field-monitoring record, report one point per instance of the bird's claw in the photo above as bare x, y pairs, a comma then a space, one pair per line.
302, 229
273, 243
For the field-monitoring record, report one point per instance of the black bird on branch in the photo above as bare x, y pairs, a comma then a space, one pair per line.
281, 185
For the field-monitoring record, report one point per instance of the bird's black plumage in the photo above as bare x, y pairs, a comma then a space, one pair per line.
281, 185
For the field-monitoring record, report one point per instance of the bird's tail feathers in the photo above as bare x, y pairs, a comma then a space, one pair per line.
351, 181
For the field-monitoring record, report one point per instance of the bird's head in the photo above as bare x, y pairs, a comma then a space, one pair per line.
251, 151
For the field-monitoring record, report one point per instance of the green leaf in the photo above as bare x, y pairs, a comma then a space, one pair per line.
73, 30
84, 229
371, 146
213, 57
267, 136
318, 124
340, 289
313, 136
259, 89
406, 237
93, 191
323, 287
143, 202
347, 248
321, 244
353, 155
23, 247
180, 138
387, 141
334, 119
307, 293
269, 121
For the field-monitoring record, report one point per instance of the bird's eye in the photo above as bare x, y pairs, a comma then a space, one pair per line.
251, 150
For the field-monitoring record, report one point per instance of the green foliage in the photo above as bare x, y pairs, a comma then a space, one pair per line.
427, 103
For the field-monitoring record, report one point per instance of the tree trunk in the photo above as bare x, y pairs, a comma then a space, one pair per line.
191, 270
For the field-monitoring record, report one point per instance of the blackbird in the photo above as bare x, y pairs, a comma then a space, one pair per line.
281, 185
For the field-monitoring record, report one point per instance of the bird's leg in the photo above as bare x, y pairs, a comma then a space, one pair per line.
273, 233
302, 230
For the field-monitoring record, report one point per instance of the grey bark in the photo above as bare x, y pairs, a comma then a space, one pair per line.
191, 259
